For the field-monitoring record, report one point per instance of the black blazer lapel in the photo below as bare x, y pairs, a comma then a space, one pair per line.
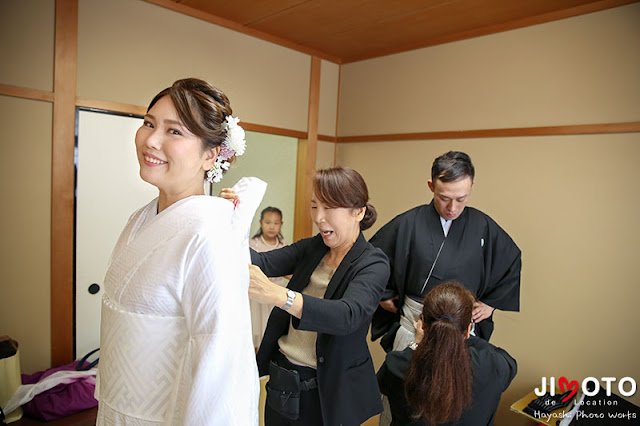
352, 255
309, 263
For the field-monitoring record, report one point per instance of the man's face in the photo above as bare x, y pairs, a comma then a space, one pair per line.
450, 198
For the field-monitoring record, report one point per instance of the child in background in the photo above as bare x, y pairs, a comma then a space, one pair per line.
267, 238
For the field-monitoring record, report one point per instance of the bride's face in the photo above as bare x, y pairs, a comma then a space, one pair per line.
170, 156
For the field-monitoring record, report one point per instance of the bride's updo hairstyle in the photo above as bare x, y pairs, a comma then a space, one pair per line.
344, 187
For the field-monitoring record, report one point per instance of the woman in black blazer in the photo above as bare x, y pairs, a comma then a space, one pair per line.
446, 377
314, 347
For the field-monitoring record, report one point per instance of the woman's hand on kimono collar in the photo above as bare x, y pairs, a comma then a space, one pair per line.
229, 194
263, 291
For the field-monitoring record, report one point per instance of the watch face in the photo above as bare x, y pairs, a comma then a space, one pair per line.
291, 295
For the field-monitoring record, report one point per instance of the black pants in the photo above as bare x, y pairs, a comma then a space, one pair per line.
310, 412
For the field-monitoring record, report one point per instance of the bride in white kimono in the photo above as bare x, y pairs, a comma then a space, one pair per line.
176, 346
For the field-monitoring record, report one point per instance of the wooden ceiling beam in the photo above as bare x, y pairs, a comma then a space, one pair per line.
232, 25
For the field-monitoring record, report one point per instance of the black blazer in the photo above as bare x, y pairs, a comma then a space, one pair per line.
347, 382
493, 369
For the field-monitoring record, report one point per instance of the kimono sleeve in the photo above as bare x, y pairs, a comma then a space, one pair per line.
503, 265
223, 386
394, 239
387, 239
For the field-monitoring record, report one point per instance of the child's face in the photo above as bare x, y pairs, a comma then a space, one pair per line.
271, 223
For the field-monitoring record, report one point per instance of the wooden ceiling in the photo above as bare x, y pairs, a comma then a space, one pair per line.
350, 30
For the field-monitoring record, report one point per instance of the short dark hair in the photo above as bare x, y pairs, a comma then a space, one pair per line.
344, 187
452, 166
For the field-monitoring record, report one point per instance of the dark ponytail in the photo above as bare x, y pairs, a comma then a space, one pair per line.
370, 216
438, 383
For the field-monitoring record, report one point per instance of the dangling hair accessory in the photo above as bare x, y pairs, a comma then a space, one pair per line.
234, 144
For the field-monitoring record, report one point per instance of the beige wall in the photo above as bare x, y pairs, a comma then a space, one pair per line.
569, 202
26, 43
574, 71
329, 88
129, 50
25, 226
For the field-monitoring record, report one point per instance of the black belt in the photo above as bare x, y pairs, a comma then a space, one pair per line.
307, 375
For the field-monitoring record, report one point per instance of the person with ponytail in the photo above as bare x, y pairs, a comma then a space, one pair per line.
446, 377
315, 345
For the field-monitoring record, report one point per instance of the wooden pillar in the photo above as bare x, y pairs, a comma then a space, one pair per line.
306, 165
62, 181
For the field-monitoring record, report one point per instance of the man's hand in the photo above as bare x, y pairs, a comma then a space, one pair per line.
388, 305
481, 311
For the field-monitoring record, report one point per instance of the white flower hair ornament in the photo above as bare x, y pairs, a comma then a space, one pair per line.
234, 144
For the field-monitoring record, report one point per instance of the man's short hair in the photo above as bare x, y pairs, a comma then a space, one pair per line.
452, 166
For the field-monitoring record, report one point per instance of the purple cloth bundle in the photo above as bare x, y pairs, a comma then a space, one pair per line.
65, 399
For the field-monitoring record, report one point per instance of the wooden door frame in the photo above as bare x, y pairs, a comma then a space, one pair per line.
63, 181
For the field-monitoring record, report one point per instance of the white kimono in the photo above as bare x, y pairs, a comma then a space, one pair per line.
175, 344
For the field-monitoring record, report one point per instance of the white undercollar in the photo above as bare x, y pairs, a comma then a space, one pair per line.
446, 224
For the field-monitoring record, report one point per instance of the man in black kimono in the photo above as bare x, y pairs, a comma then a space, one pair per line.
441, 241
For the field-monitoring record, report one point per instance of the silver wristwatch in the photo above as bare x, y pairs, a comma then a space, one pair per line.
413, 345
291, 296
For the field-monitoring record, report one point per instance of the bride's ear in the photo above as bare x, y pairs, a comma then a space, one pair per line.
210, 157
